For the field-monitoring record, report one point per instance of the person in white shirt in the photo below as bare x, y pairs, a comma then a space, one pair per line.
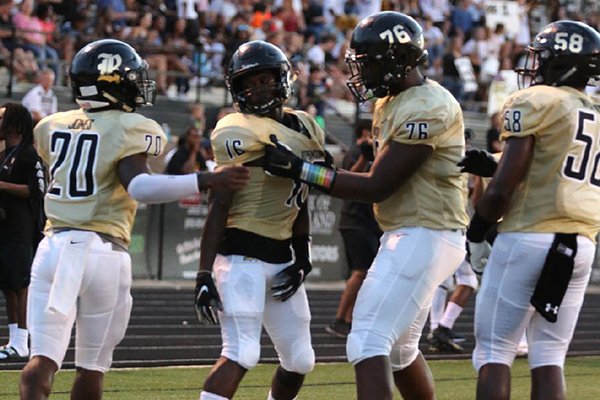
41, 100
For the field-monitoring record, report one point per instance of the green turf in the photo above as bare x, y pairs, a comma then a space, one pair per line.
454, 380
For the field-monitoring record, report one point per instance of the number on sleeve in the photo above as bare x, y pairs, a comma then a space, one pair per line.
418, 129
153, 144
512, 121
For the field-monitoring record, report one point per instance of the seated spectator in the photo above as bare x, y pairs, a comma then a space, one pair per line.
24, 65
33, 39
41, 100
188, 157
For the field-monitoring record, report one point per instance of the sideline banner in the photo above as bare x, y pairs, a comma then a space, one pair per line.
182, 224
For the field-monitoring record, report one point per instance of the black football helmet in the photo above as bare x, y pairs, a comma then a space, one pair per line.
384, 48
564, 53
110, 74
250, 58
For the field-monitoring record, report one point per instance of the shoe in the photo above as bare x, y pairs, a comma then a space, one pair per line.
457, 337
10, 353
339, 329
442, 341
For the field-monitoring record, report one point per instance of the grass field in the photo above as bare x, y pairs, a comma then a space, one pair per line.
455, 380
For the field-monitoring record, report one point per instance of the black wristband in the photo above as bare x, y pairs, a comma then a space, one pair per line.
301, 246
478, 228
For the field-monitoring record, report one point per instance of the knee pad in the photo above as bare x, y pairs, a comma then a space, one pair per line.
302, 363
402, 356
247, 355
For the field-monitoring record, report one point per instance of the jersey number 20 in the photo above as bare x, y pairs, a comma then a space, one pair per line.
80, 180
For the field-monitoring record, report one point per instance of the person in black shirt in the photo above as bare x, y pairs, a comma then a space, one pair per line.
22, 187
360, 232
188, 157
494, 145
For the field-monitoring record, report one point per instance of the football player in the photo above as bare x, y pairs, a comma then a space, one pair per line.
256, 240
97, 158
547, 190
419, 137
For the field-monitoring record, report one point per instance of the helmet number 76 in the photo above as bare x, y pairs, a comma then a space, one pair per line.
398, 33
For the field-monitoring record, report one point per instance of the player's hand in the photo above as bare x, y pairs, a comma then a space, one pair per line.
478, 162
232, 177
280, 161
366, 149
287, 281
207, 299
480, 253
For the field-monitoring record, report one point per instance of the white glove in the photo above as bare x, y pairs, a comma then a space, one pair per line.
480, 252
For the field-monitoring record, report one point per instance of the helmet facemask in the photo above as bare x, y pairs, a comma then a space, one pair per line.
382, 73
273, 95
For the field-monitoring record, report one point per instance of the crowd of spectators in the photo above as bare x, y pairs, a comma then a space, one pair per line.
188, 42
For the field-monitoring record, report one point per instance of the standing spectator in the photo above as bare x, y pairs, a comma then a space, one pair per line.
547, 194
256, 241
451, 78
22, 188
418, 191
41, 100
359, 230
188, 157
82, 271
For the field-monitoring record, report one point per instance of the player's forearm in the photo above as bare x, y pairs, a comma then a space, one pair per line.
360, 187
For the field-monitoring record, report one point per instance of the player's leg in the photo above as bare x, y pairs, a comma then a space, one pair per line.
288, 326
398, 287
50, 332
15, 262
241, 285
103, 314
412, 375
549, 342
361, 247
502, 310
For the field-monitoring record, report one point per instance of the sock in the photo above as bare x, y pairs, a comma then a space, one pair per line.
204, 395
12, 334
437, 307
452, 312
21, 343
273, 398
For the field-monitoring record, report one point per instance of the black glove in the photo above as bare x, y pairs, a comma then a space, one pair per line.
288, 280
478, 228
207, 298
478, 162
280, 161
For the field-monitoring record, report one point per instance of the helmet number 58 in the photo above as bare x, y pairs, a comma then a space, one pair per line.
571, 41
396, 34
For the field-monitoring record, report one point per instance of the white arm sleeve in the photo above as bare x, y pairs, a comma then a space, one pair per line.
149, 189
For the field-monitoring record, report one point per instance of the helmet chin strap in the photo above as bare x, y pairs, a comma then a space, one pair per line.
122, 105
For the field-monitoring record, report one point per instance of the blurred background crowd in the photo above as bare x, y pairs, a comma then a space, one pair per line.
187, 43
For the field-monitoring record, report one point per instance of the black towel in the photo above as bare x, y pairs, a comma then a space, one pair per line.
556, 274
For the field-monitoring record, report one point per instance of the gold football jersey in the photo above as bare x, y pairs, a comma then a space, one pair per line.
82, 151
561, 189
268, 205
433, 197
